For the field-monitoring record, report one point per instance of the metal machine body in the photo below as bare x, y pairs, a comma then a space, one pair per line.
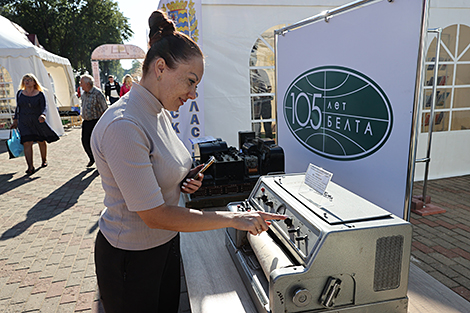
338, 251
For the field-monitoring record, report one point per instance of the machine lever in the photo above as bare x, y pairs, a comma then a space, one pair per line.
330, 292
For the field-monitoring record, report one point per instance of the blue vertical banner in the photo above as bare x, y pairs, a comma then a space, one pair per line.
188, 121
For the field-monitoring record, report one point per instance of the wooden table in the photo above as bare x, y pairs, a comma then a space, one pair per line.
215, 286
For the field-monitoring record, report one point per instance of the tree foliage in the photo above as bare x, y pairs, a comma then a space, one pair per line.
70, 28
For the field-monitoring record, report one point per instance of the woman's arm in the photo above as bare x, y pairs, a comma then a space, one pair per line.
42, 104
189, 220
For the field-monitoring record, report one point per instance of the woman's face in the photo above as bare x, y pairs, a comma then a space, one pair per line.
178, 85
29, 82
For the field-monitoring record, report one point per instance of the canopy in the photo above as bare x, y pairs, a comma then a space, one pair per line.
18, 56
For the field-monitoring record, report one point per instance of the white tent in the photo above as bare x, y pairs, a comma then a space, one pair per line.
230, 29
19, 56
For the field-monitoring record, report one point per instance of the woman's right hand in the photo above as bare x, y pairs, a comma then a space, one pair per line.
14, 125
255, 222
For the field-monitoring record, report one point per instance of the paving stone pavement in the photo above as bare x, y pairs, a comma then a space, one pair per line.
48, 224
441, 242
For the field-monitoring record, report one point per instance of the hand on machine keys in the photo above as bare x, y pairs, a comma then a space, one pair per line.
260, 221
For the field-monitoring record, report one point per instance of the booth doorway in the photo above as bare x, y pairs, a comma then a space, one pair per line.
262, 85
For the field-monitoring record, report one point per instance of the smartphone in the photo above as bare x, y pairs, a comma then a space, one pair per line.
206, 166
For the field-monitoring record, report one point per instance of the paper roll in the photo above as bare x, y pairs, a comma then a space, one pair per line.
269, 255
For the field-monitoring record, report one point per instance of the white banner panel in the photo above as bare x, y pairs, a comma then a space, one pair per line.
188, 121
346, 97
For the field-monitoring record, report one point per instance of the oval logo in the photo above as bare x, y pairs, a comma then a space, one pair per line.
338, 113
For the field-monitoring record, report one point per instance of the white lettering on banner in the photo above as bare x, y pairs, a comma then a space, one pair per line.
310, 118
295, 101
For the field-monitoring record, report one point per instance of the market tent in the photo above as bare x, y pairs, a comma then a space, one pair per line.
230, 29
19, 56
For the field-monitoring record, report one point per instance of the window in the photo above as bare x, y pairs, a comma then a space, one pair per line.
262, 85
452, 110
7, 99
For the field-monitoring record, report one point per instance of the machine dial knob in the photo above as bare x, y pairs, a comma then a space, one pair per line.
281, 209
302, 297
288, 221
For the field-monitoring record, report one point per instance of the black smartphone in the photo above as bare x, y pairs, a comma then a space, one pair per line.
206, 166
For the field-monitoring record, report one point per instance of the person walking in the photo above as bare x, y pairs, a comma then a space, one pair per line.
126, 85
93, 106
112, 89
144, 167
30, 119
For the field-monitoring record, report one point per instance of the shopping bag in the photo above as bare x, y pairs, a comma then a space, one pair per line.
14, 146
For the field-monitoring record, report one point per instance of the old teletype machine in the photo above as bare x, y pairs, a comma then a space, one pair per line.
336, 252
234, 172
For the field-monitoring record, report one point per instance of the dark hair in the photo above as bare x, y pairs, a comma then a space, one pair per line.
168, 43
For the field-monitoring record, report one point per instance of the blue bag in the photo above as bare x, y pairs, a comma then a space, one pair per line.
14, 146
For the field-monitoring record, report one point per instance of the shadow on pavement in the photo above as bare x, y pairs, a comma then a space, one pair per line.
7, 185
44, 210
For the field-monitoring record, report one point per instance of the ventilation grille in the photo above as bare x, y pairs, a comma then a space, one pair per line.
388, 257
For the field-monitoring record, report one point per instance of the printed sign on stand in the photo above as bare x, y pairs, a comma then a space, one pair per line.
346, 97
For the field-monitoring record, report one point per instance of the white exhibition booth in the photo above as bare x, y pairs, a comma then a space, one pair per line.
18, 56
230, 29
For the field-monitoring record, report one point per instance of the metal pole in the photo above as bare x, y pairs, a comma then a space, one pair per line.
325, 15
431, 114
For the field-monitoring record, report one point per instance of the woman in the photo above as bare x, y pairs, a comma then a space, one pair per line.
142, 164
126, 85
30, 119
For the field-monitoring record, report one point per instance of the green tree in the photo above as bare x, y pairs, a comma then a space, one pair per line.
136, 69
70, 28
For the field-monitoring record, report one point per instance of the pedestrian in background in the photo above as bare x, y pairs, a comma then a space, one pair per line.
112, 89
30, 119
93, 106
126, 85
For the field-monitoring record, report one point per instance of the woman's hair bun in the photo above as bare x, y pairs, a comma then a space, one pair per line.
160, 26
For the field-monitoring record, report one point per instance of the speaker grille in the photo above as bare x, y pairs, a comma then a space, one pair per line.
388, 257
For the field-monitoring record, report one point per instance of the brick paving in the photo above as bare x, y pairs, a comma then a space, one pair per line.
48, 224
441, 242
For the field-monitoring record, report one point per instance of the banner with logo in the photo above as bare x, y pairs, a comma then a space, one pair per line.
346, 91
188, 121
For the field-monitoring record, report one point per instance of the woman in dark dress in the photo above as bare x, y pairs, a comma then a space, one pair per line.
30, 119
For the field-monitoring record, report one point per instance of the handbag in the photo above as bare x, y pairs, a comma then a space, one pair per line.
14, 146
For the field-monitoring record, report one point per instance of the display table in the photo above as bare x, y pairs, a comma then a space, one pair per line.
215, 286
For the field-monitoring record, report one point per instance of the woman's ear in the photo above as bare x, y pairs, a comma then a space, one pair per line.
160, 65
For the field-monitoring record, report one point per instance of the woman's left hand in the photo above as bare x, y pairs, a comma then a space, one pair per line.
191, 185
42, 118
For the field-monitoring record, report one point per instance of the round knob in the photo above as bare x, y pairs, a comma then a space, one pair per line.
281, 209
302, 297
288, 221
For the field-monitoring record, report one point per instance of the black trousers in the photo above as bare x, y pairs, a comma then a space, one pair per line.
112, 99
138, 281
87, 129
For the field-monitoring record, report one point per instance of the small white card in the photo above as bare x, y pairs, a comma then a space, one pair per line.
317, 178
